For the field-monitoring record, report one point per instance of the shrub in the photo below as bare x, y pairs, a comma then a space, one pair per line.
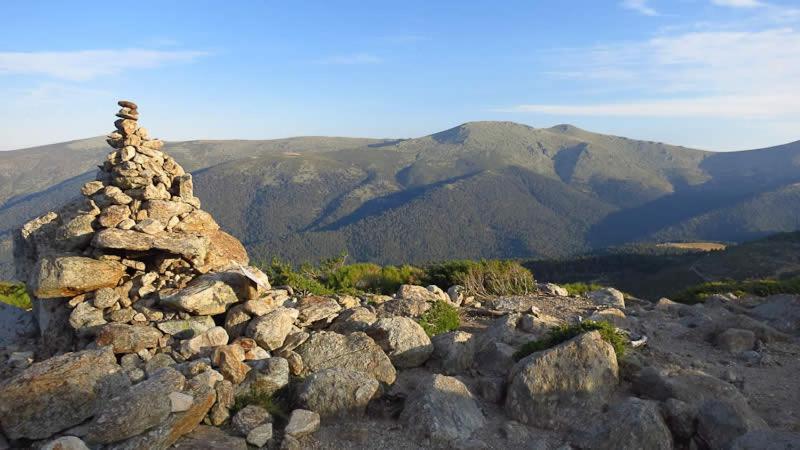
282, 273
495, 277
761, 288
276, 403
441, 318
14, 294
581, 288
448, 273
564, 333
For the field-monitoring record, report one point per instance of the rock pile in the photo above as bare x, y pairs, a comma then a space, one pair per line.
135, 250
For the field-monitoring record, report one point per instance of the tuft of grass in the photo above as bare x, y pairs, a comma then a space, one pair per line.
497, 277
14, 294
276, 403
761, 288
441, 318
563, 333
581, 288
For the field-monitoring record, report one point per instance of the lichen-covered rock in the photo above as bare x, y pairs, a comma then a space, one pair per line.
61, 392
315, 308
554, 388
206, 295
205, 437
128, 338
354, 319
136, 410
607, 297
67, 276
453, 352
632, 424
337, 392
355, 351
271, 329
443, 410
302, 423
403, 340
192, 247
166, 433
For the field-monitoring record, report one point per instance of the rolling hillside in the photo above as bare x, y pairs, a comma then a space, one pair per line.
482, 189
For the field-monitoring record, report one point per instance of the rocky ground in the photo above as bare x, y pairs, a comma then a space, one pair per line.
150, 331
351, 373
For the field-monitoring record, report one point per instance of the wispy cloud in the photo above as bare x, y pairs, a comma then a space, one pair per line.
739, 3
83, 65
734, 106
697, 73
355, 58
640, 6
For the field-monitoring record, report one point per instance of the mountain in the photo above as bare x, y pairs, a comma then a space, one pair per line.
481, 189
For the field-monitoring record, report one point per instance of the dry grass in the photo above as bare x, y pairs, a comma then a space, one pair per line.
701, 246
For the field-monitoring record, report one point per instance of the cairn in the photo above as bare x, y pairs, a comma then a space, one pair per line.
135, 251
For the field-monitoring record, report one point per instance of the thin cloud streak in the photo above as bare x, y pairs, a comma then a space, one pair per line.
85, 65
691, 74
739, 3
736, 107
640, 6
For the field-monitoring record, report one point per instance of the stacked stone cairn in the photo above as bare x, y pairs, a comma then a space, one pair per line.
134, 260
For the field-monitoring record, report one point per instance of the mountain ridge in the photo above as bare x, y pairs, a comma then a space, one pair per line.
479, 189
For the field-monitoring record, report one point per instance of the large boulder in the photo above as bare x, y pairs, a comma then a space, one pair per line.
767, 440
177, 424
67, 276
137, 409
337, 392
720, 422
403, 340
453, 352
632, 424
355, 351
557, 387
607, 297
59, 393
443, 410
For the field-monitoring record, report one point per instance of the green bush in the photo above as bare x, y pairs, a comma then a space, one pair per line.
282, 273
581, 288
496, 277
761, 288
276, 403
564, 333
14, 294
448, 273
441, 318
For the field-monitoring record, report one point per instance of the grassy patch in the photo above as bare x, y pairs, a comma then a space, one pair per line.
581, 288
761, 288
441, 318
14, 294
564, 333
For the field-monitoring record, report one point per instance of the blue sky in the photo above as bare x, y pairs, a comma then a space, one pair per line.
714, 74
